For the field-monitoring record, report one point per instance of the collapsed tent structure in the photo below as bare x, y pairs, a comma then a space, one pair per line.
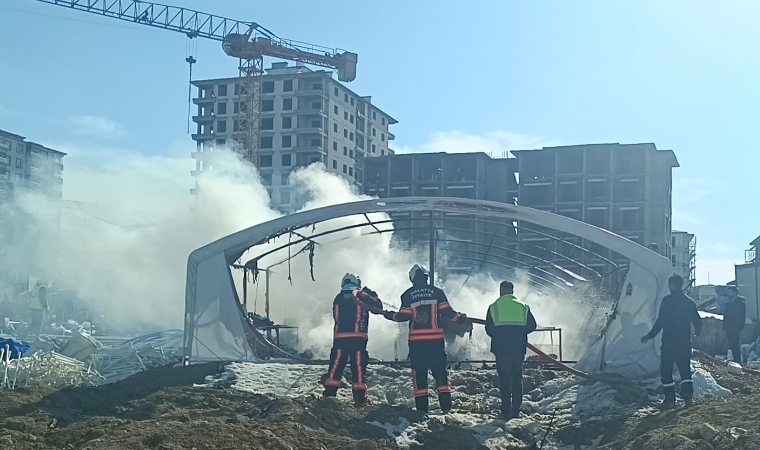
218, 327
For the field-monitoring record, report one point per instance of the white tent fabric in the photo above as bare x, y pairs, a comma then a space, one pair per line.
215, 322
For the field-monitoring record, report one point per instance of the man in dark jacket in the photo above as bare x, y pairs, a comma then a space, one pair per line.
350, 338
508, 323
677, 314
425, 307
733, 322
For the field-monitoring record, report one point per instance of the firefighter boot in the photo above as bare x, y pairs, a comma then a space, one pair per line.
444, 399
421, 402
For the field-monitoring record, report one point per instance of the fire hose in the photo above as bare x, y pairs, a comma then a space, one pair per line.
359, 297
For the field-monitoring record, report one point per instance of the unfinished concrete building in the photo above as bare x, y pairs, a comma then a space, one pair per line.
622, 188
684, 258
306, 116
475, 176
27, 167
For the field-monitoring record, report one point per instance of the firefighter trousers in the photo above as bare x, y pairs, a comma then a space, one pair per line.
353, 350
680, 355
429, 356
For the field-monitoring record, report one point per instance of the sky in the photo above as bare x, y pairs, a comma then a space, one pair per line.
487, 75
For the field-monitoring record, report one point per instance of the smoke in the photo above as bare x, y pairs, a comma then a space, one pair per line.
127, 229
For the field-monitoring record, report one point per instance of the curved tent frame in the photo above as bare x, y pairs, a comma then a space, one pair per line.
211, 298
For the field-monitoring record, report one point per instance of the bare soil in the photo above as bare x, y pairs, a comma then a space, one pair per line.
160, 410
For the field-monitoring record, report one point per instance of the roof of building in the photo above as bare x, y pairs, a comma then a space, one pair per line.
12, 135
22, 138
302, 70
669, 154
756, 242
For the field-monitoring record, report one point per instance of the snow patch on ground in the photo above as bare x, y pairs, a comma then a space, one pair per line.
475, 400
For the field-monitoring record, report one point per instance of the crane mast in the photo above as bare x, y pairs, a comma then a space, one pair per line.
247, 41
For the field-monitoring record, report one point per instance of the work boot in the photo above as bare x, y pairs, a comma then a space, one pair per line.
330, 392
670, 397
360, 398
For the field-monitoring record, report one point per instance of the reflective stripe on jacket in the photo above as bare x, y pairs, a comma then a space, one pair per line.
507, 310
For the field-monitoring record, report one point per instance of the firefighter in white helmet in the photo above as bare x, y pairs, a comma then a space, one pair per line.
425, 307
350, 338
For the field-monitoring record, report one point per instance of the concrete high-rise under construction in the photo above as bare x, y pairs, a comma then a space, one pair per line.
306, 116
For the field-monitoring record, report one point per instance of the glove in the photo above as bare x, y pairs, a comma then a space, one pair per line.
369, 291
389, 315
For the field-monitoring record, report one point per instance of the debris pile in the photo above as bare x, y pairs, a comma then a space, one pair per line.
48, 369
142, 353
751, 354
84, 361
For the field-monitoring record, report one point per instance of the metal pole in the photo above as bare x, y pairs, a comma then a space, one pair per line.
245, 289
757, 300
431, 260
266, 294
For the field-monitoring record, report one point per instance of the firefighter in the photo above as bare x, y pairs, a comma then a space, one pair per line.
677, 314
734, 319
425, 306
350, 338
508, 323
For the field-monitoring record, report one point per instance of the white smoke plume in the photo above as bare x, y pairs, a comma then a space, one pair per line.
127, 230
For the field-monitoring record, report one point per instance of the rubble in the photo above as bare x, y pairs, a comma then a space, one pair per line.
84, 361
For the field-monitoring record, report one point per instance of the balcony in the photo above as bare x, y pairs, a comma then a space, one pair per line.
204, 100
206, 118
202, 136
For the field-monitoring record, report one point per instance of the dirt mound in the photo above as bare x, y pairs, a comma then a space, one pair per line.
160, 410
720, 424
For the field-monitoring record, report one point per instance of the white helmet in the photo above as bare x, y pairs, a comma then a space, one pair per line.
415, 271
351, 281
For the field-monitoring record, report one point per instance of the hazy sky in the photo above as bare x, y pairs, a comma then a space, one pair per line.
487, 75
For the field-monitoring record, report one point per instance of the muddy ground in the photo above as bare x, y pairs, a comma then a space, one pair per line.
160, 410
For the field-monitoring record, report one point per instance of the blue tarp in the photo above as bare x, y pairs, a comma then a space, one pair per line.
17, 348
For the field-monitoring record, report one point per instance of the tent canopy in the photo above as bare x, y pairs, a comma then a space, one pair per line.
215, 322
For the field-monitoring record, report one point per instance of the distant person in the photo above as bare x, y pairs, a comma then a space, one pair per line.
350, 339
677, 314
733, 321
425, 307
38, 304
508, 323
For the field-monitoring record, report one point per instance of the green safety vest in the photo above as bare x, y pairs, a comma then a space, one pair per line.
507, 310
34, 298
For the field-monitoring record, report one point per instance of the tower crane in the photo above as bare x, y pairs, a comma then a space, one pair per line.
247, 41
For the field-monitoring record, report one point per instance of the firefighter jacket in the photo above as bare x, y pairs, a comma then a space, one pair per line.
677, 314
508, 323
424, 307
351, 320
38, 298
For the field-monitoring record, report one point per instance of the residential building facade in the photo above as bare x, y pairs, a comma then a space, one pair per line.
306, 117
748, 280
622, 188
464, 242
683, 257
27, 167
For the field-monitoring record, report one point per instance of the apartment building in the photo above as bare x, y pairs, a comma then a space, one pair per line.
24, 166
622, 188
748, 280
684, 256
306, 117
464, 242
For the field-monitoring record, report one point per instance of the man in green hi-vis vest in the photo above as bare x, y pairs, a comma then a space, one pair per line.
509, 322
